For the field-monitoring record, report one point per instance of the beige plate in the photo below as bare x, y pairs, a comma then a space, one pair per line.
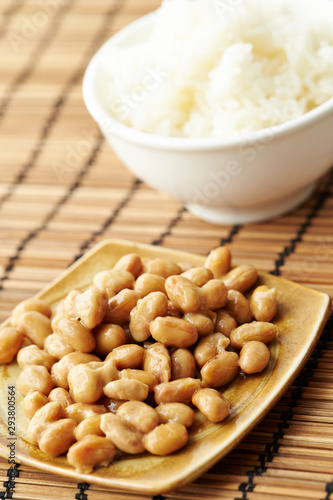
301, 318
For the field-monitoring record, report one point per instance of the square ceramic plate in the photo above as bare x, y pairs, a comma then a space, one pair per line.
302, 314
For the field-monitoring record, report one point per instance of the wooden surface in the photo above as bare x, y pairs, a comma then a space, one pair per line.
62, 189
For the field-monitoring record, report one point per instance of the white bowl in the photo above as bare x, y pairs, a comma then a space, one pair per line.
226, 181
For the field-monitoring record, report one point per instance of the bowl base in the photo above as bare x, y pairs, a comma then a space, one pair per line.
232, 216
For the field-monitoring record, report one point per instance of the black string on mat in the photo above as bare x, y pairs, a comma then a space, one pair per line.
318, 205
82, 495
232, 233
172, 224
110, 220
37, 150
328, 490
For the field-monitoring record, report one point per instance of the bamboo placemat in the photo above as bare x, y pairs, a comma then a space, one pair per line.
62, 190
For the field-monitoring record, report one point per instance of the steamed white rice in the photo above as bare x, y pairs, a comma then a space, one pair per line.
215, 68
